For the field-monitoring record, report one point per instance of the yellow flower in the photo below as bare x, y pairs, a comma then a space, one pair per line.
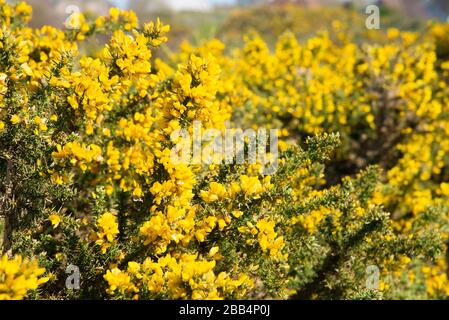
109, 189
445, 189
251, 186
133, 267
216, 192
213, 251
73, 102
43, 127
15, 119
237, 213
114, 13
26, 69
108, 226
445, 65
23, 8
55, 220
268, 239
120, 281
37, 120
18, 276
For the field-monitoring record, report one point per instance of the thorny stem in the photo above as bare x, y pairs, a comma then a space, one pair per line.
8, 207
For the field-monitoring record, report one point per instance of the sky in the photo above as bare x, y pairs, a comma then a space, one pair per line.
183, 4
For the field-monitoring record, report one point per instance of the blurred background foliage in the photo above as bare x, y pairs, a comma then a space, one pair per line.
228, 20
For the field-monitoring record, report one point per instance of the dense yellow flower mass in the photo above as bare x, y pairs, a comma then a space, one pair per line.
18, 276
108, 230
176, 277
89, 139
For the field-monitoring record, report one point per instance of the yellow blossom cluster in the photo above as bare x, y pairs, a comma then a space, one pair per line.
18, 276
108, 226
386, 100
89, 138
186, 276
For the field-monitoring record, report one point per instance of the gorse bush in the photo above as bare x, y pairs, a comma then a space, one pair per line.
87, 178
387, 101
